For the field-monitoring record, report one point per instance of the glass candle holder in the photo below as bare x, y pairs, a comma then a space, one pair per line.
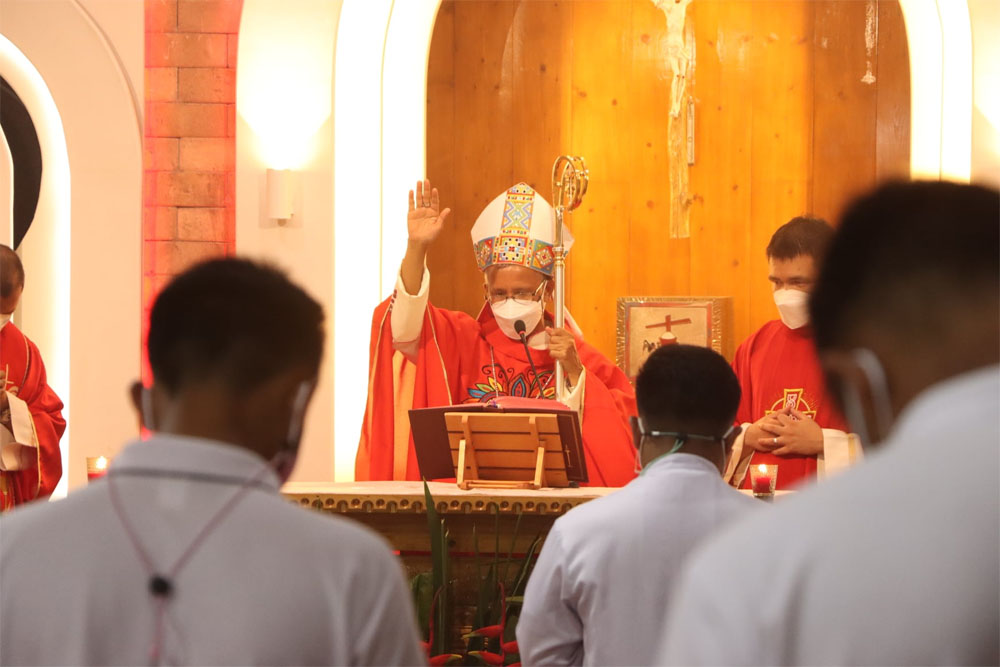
97, 467
763, 478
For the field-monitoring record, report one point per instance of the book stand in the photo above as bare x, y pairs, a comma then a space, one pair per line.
506, 450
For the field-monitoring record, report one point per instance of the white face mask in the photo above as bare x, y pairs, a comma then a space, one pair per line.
870, 366
4, 319
679, 440
510, 311
284, 461
793, 306
146, 407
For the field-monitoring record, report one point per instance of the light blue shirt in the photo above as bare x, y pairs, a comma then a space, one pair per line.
606, 573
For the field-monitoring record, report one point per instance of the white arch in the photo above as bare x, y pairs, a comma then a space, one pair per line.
939, 37
382, 52
87, 323
45, 309
6, 193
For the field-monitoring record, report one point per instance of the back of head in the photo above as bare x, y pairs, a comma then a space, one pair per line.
11, 272
687, 388
800, 236
232, 321
913, 274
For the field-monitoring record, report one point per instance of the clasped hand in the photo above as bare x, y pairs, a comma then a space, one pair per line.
786, 433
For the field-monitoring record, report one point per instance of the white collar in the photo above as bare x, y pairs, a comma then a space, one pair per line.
680, 461
167, 453
964, 398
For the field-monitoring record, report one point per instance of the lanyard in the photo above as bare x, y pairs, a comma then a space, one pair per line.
161, 582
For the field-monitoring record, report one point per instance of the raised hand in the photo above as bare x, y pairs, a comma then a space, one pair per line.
424, 219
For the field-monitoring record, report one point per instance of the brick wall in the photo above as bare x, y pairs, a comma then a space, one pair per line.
189, 150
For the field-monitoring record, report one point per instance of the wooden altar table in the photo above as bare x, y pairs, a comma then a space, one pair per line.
396, 511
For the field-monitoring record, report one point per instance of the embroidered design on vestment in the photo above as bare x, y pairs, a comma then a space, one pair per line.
499, 381
794, 399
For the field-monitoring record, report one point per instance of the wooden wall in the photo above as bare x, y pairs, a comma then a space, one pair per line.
785, 125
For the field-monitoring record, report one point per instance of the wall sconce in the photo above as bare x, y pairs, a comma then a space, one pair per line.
280, 200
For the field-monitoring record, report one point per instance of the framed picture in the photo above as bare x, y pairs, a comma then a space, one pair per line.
647, 322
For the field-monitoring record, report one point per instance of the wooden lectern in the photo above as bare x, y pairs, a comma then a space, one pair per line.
515, 445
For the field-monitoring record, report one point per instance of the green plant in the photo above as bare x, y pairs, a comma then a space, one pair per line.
499, 595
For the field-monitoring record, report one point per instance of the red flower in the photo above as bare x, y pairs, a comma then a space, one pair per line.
510, 647
488, 658
444, 659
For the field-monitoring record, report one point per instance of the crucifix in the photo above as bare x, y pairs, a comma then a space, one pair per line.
668, 337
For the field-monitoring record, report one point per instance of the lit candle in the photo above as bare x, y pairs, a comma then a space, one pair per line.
762, 479
97, 467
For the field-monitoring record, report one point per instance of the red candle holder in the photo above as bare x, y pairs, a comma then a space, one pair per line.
763, 478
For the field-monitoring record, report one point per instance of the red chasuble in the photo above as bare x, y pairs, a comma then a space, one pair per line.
26, 378
466, 360
777, 367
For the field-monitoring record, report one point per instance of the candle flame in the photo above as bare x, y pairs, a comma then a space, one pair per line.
762, 469
101, 463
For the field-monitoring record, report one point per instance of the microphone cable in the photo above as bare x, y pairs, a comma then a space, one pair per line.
519, 328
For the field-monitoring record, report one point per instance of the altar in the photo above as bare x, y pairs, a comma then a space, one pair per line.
397, 511
483, 527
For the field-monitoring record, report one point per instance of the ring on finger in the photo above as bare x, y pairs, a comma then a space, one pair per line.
775, 440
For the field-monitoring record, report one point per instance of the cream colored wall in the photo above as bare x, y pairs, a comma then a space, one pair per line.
366, 77
304, 245
90, 54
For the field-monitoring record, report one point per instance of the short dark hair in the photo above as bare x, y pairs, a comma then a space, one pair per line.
11, 271
900, 252
687, 384
235, 320
801, 235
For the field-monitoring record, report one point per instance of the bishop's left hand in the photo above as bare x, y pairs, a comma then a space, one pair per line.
562, 347
797, 434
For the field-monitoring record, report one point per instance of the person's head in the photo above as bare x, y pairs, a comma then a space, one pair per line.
908, 296
235, 349
11, 280
517, 292
686, 389
793, 259
513, 240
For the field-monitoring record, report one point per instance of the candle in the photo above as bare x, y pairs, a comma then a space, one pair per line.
97, 467
762, 484
763, 478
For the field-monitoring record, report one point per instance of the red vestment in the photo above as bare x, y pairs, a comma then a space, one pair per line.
466, 360
777, 367
26, 378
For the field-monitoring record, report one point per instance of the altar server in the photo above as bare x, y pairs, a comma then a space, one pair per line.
788, 417
423, 356
602, 583
186, 553
31, 421
897, 561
